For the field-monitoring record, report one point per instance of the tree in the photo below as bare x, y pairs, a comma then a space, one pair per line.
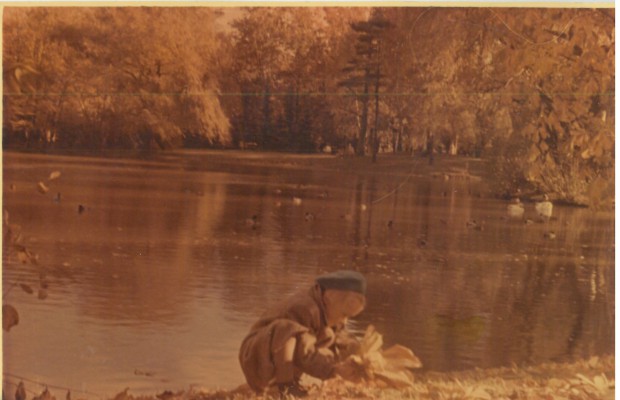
563, 80
532, 88
293, 52
261, 50
364, 73
113, 77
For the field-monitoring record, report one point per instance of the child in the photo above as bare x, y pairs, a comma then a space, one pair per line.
305, 334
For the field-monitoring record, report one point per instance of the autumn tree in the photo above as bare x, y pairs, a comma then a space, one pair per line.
111, 77
283, 66
260, 51
363, 74
530, 88
559, 67
307, 117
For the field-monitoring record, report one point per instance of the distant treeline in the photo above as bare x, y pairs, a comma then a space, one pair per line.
532, 87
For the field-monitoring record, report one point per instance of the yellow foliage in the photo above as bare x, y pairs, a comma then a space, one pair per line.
533, 154
386, 368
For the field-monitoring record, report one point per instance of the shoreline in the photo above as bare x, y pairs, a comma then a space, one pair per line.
592, 378
399, 166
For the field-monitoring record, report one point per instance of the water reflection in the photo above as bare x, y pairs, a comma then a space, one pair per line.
163, 272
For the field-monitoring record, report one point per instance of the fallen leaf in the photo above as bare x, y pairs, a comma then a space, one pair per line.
22, 256
26, 288
479, 393
401, 357
372, 341
10, 317
42, 188
20, 393
34, 258
145, 373
602, 383
387, 368
123, 395
166, 395
25, 256
45, 395
593, 362
395, 379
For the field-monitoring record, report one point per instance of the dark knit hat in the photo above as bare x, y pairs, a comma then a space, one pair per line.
343, 280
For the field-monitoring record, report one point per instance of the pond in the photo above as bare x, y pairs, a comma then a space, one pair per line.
156, 268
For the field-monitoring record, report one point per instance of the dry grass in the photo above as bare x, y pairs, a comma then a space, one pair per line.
587, 379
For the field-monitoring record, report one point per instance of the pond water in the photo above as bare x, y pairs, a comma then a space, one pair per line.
154, 285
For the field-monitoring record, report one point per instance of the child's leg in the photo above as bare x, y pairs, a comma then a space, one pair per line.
285, 370
283, 360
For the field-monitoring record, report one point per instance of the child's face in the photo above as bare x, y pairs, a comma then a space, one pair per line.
341, 304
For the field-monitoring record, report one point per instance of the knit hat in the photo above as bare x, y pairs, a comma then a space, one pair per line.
343, 280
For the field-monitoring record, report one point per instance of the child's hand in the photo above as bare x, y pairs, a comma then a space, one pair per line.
347, 346
325, 338
350, 370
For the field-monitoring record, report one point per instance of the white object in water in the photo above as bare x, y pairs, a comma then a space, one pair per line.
516, 209
544, 209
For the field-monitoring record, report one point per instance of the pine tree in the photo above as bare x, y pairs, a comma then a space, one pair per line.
363, 74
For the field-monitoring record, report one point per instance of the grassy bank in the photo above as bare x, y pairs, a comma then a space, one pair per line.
593, 378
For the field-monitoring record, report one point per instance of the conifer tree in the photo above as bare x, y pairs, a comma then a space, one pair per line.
364, 77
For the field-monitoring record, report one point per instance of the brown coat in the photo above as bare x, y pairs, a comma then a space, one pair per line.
319, 347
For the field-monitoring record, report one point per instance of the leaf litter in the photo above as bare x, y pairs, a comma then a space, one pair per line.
592, 378
586, 379
385, 368
388, 375
54, 175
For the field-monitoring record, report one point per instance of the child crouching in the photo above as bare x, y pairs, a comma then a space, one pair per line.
305, 334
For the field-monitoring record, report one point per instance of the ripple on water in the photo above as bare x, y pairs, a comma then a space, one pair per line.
162, 274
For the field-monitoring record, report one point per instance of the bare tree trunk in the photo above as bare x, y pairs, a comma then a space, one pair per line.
266, 131
454, 146
361, 144
374, 136
245, 109
430, 146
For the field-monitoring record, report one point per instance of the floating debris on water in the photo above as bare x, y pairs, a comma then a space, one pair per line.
54, 175
516, 209
42, 188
